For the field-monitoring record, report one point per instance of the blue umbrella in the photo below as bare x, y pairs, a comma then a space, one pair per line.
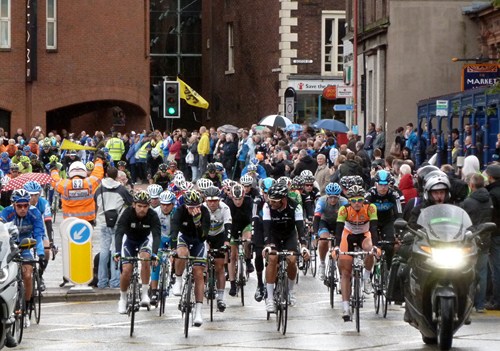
294, 128
331, 125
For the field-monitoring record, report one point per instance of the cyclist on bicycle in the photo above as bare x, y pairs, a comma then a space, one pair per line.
356, 224
165, 213
154, 191
218, 237
162, 177
212, 174
203, 184
388, 203
249, 185
142, 227
309, 196
325, 220
190, 229
29, 223
241, 212
35, 189
283, 221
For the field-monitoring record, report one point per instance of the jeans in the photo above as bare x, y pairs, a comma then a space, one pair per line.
105, 262
203, 161
495, 268
194, 171
481, 278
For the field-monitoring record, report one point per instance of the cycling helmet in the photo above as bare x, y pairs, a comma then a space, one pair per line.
192, 198
122, 164
298, 183
154, 190
251, 168
309, 179
20, 195
77, 169
142, 197
72, 153
227, 183
266, 184
163, 167
53, 158
46, 146
358, 180
436, 182
254, 161
26, 149
178, 179
4, 155
204, 183
14, 167
167, 197
285, 180
218, 166
278, 191
355, 191
32, 187
90, 166
382, 177
246, 180
178, 172
333, 189
212, 193
237, 191
172, 163
306, 173
187, 186
155, 153
211, 168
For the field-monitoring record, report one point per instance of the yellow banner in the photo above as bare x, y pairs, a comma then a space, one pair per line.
191, 96
68, 145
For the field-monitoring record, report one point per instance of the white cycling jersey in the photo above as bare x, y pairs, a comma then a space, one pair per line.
164, 221
218, 218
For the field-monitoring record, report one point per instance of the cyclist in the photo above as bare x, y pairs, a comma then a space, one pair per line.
154, 191
218, 236
325, 220
142, 227
203, 184
162, 177
283, 221
29, 223
190, 229
36, 165
258, 235
220, 170
212, 174
296, 189
356, 224
241, 213
5, 162
165, 213
388, 203
35, 189
249, 184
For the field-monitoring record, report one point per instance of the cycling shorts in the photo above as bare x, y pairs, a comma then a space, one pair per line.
325, 227
155, 271
216, 242
348, 240
258, 237
290, 243
131, 247
195, 246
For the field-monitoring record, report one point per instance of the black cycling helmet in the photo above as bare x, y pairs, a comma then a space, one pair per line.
192, 198
142, 197
121, 164
278, 191
298, 183
211, 168
212, 193
163, 167
308, 179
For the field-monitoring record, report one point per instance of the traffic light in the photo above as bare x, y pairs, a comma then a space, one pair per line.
157, 95
172, 107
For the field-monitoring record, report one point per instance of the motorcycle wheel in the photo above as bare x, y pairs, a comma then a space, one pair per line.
445, 323
429, 341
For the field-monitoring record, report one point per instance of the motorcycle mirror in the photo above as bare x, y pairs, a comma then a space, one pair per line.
487, 227
400, 224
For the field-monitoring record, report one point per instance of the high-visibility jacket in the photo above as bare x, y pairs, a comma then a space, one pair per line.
142, 153
116, 148
77, 194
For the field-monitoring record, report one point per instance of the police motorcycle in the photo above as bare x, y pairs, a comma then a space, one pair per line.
439, 285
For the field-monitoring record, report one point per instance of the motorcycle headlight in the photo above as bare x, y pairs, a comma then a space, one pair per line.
450, 257
4, 274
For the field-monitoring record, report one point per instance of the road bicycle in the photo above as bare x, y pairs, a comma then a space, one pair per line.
241, 270
381, 279
55, 206
356, 300
331, 280
165, 281
211, 281
311, 246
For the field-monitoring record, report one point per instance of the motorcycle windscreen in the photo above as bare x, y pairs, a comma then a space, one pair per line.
4, 243
444, 222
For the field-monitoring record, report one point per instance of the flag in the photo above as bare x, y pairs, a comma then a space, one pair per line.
191, 96
68, 145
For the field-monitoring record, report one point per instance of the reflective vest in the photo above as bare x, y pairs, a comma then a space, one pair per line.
77, 194
142, 153
116, 148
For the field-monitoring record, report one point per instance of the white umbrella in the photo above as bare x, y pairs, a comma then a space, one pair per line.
275, 121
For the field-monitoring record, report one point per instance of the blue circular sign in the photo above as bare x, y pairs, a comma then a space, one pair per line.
79, 233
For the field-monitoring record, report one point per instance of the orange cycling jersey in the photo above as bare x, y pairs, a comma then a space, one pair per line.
357, 222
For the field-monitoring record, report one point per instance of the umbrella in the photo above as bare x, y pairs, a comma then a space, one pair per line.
18, 182
293, 128
228, 128
331, 125
275, 121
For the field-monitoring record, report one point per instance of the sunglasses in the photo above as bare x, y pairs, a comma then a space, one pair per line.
22, 205
193, 207
333, 196
357, 199
247, 186
213, 200
275, 201
308, 184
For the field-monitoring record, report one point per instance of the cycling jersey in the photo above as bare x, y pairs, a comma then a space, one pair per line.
217, 180
357, 222
254, 192
308, 202
325, 215
138, 229
165, 220
388, 206
164, 181
183, 223
43, 206
242, 216
281, 224
220, 220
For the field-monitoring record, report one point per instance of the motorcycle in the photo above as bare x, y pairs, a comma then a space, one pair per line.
439, 283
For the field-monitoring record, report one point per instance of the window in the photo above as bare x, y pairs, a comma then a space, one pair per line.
4, 24
51, 28
332, 51
230, 49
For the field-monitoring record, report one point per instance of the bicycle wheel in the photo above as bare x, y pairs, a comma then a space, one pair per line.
19, 311
36, 297
188, 305
332, 283
284, 304
132, 303
277, 300
211, 289
164, 277
385, 278
241, 279
313, 262
357, 298
377, 287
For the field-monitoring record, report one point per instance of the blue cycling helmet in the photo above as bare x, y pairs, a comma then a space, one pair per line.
4, 155
383, 177
333, 189
266, 184
26, 149
20, 195
33, 187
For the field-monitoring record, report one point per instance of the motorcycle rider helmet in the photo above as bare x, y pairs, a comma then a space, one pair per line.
77, 169
437, 182
421, 173
333, 189
33, 187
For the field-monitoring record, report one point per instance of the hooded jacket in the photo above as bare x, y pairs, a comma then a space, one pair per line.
306, 162
115, 197
407, 188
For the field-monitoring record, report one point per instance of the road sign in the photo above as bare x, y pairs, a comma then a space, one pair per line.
296, 61
79, 233
441, 108
343, 107
344, 92
77, 250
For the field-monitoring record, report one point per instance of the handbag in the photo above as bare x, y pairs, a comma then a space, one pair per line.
171, 156
395, 149
111, 216
189, 158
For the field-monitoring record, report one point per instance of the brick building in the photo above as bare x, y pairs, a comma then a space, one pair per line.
249, 61
86, 60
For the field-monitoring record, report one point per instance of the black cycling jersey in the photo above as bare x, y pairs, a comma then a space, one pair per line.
138, 229
253, 193
242, 216
388, 206
281, 224
164, 181
217, 179
183, 223
309, 201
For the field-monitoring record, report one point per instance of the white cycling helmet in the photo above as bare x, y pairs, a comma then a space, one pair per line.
246, 180
154, 190
204, 183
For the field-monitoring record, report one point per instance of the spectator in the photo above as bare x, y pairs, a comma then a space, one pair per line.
303, 162
193, 147
351, 144
369, 139
203, 149
228, 154
407, 187
379, 142
323, 173
493, 174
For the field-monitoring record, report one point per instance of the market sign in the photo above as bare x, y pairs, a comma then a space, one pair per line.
475, 75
